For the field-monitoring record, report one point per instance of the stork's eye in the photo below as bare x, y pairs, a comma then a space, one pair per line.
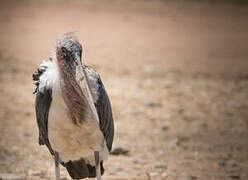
64, 51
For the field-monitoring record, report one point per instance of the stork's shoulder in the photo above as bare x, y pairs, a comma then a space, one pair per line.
46, 76
36, 77
92, 73
94, 82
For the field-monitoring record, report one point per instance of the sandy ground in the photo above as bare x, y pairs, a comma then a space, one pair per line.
176, 74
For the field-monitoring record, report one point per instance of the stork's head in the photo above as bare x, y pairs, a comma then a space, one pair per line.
68, 52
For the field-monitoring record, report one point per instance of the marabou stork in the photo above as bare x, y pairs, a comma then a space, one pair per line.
73, 111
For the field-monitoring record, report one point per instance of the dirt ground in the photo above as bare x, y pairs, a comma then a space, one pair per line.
176, 74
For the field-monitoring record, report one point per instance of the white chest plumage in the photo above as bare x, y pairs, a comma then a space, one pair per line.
71, 141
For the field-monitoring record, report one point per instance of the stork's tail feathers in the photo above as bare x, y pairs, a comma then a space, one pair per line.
80, 170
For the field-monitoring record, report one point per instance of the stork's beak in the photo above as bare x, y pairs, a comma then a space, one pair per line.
78, 65
77, 60
83, 81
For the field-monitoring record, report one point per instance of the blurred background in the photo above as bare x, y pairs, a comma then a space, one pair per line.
175, 71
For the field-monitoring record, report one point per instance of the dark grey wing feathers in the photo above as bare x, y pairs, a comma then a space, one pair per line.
36, 77
42, 104
104, 111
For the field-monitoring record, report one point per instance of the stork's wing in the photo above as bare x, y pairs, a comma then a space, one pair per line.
104, 112
42, 104
102, 105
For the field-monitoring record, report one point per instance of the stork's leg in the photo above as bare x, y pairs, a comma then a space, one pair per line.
57, 171
97, 160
